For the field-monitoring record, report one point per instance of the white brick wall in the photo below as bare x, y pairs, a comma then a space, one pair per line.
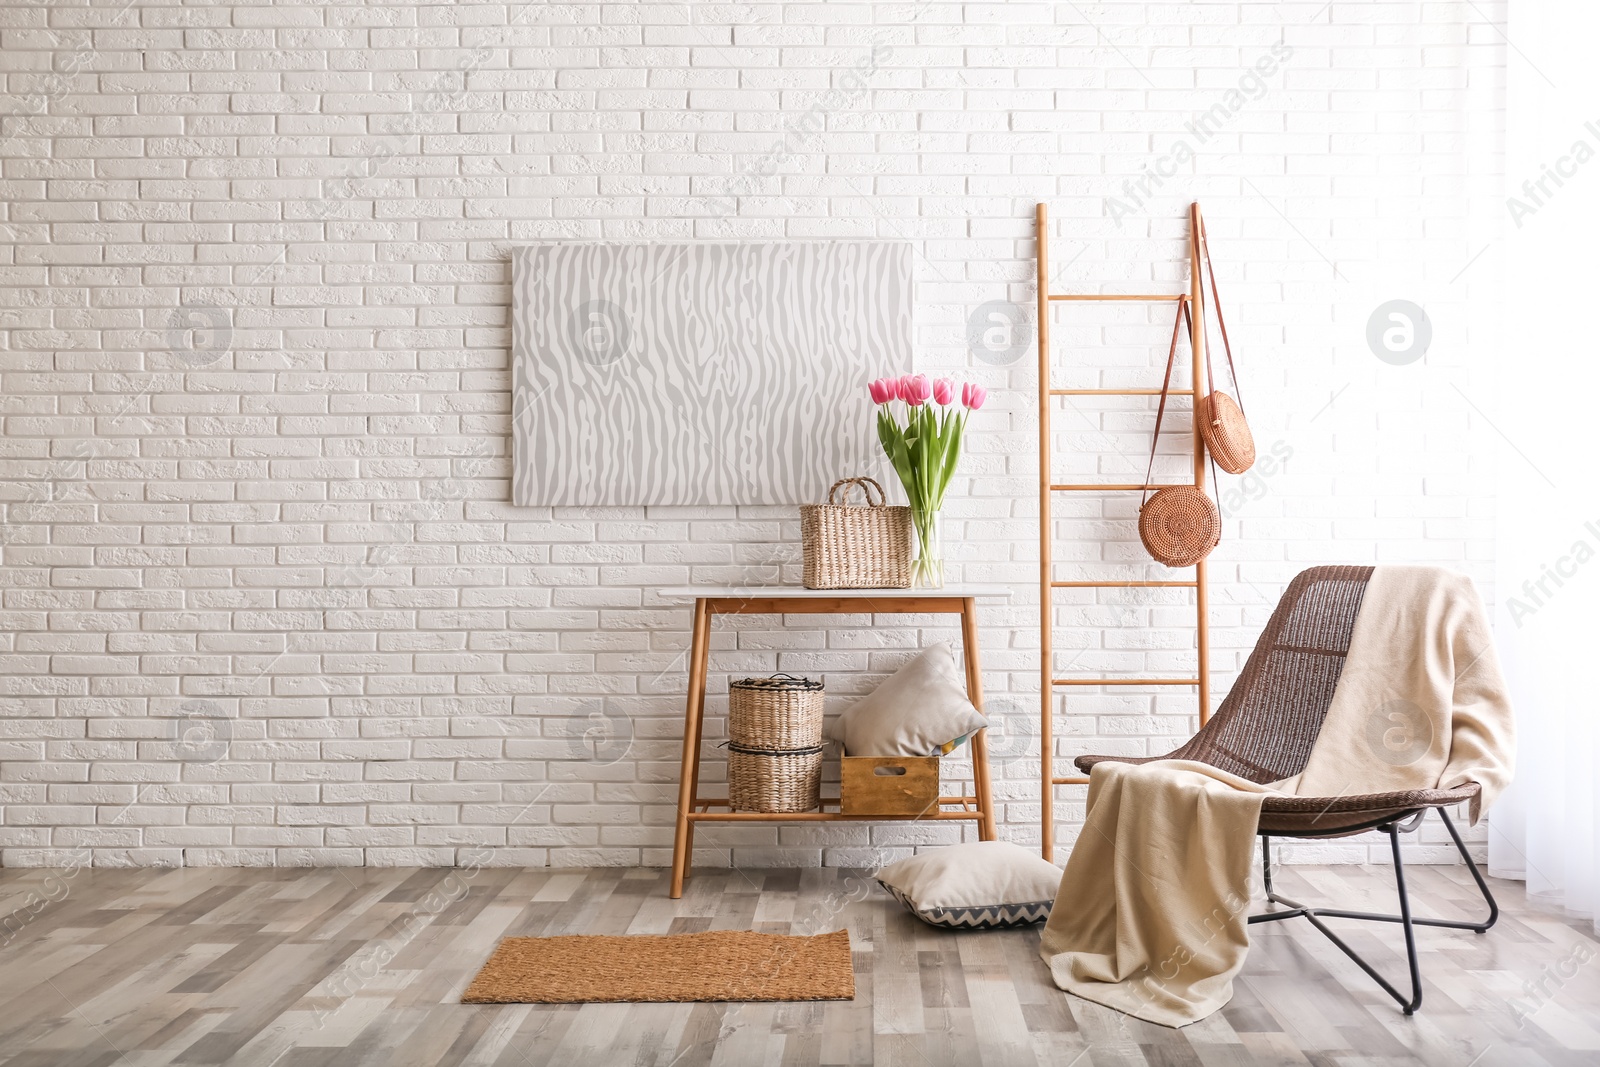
263, 601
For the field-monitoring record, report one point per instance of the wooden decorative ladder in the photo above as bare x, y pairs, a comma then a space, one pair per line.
1048, 683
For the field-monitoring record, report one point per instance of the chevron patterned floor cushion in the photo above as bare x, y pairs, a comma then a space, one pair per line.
982, 885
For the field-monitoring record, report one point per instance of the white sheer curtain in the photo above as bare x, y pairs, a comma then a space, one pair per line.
1544, 378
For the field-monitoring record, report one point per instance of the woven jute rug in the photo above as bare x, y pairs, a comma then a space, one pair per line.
714, 966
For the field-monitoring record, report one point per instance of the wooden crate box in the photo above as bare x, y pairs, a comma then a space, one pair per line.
888, 785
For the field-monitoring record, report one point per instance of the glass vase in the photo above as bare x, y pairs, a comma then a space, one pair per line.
927, 570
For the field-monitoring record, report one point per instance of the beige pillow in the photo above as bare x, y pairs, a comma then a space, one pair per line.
976, 886
920, 710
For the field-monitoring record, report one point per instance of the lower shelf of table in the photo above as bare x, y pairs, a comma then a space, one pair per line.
701, 812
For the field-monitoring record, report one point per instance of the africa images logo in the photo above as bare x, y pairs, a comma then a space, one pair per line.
1201, 127
1537, 592
1536, 192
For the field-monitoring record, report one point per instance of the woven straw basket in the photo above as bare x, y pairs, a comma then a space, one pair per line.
766, 780
854, 547
775, 744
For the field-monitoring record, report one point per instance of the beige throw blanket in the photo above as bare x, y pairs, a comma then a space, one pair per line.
1150, 917
1421, 703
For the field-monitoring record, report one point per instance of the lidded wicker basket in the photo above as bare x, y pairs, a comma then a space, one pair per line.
775, 744
780, 712
852, 546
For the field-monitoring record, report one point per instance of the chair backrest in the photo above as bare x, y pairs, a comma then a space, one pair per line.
1269, 720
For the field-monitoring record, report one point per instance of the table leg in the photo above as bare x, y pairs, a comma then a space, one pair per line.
980, 740
699, 686
693, 719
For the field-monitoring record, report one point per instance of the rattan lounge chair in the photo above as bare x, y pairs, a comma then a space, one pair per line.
1264, 731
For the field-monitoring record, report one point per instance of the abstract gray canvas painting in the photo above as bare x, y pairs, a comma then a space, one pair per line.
700, 373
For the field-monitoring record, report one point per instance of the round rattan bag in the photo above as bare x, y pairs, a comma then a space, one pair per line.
1226, 433
1180, 525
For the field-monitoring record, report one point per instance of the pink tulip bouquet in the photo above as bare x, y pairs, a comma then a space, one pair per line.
924, 450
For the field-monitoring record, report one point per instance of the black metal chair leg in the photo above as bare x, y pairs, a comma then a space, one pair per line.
1295, 909
1405, 924
1477, 876
1450, 924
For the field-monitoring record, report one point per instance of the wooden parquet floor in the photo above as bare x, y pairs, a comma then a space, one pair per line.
306, 968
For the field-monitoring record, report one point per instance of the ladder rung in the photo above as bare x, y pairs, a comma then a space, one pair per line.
1124, 681
1119, 296
1120, 392
1071, 779
1123, 585
1132, 487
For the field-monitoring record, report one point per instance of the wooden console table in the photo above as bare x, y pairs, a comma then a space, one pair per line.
794, 600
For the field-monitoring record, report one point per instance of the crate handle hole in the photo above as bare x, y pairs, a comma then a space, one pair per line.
888, 772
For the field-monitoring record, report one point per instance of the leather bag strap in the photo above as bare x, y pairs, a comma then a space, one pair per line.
1216, 302
1166, 384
